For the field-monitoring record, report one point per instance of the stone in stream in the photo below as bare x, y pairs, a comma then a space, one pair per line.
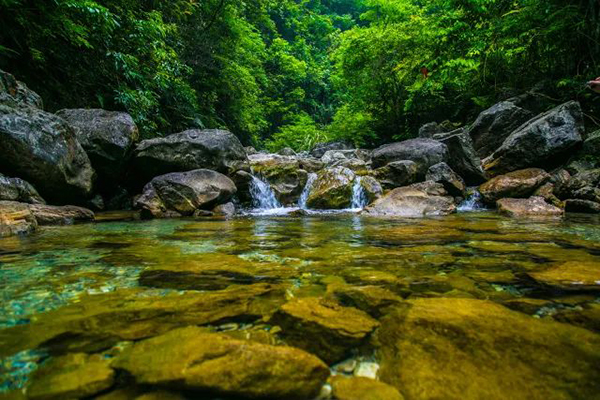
541, 142
515, 184
582, 206
397, 174
373, 300
286, 178
191, 359
423, 152
16, 189
358, 388
533, 206
453, 183
475, 349
420, 199
16, 219
60, 215
323, 327
71, 376
586, 316
332, 189
462, 157
584, 186
570, 276
371, 188
183, 193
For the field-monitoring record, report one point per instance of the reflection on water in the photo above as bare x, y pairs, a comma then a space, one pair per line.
480, 255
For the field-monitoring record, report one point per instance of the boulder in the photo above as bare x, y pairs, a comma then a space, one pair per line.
323, 327
582, 206
72, 376
192, 359
570, 276
451, 348
182, 193
359, 388
424, 152
60, 215
548, 192
283, 173
214, 149
371, 188
584, 185
591, 145
42, 148
428, 130
462, 157
16, 189
286, 151
420, 199
515, 184
227, 209
332, 189
310, 164
321, 148
397, 174
16, 219
107, 137
533, 206
442, 173
14, 93
495, 124
543, 141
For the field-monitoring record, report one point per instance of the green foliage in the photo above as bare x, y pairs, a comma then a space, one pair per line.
301, 134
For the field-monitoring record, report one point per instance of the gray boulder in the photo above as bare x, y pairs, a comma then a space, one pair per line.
453, 183
495, 124
397, 174
582, 206
421, 199
542, 142
14, 93
183, 193
462, 157
107, 137
16, 189
423, 152
214, 149
321, 148
428, 130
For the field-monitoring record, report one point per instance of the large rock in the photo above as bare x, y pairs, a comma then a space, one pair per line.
462, 157
192, 359
60, 215
332, 189
582, 206
16, 189
397, 174
14, 93
107, 137
495, 124
428, 130
475, 349
453, 183
42, 148
584, 185
541, 142
16, 219
424, 152
515, 184
283, 173
214, 149
321, 148
420, 199
183, 193
533, 206
323, 327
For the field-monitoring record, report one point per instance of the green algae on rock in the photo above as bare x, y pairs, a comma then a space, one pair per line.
359, 388
573, 275
190, 358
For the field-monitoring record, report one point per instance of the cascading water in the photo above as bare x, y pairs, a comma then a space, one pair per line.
304, 196
359, 196
263, 197
473, 202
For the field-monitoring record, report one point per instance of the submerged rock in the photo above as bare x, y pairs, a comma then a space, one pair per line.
183, 193
453, 183
570, 276
373, 300
397, 174
587, 316
420, 199
72, 376
16, 189
359, 388
472, 349
332, 189
533, 206
323, 327
16, 219
541, 142
192, 359
515, 184
424, 152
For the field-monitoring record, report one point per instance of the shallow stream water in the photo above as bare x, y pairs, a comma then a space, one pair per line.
471, 255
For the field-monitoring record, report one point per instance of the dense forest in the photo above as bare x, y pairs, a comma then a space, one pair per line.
282, 73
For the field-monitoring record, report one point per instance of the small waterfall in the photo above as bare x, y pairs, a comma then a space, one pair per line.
263, 197
359, 196
312, 177
473, 202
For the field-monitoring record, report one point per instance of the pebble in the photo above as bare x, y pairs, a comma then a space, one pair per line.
367, 370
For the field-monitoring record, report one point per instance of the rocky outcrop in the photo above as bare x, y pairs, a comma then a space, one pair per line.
462, 157
541, 142
283, 173
192, 359
14, 93
107, 137
453, 183
495, 124
423, 152
397, 174
213, 149
432, 349
323, 327
16, 189
183, 193
332, 189
320, 149
420, 199
16, 219
515, 184
533, 207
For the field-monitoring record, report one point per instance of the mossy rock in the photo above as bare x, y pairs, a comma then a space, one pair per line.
332, 189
